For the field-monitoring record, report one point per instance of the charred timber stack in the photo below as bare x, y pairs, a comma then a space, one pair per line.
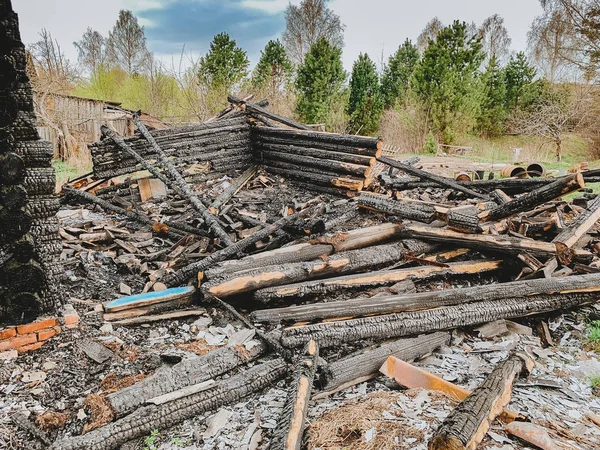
321, 161
224, 144
29, 242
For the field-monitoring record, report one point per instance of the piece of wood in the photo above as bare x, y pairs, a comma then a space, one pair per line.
151, 188
257, 109
184, 392
466, 426
442, 181
581, 225
159, 317
533, 434
381, 203
306, 174
365, 364
411, 323
274, 146
95, 351
232, 189
353, 282
501, 244
464, 218
288, 433
536, 197
149, 298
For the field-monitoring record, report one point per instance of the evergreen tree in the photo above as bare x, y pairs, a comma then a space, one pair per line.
318, 81
224, 65
274, 69
395, 80
493, 112
365, 104
445, 80
519, 77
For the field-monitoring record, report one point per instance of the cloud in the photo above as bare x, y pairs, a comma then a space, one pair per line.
193, 23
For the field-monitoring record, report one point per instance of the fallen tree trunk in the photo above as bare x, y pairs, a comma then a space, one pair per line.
232, 189
442, 181
326, 165
380, 203
150, 417
185, 373
365, 364
354, 282
345, 262
536, 197
415, 322
290, 427
581, 225
296, 149
469, 422
501, 244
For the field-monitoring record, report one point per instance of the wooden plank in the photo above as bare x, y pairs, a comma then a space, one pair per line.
149, 298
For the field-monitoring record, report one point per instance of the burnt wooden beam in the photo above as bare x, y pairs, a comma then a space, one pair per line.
363, 365
581, 225
257, 109
288, 433
488, 242
380, 203
147, 418
296, 149
424, 175
411, 323
328, 165
182, 185
536, 197
309, 175
468, 423
358, 281
232, 189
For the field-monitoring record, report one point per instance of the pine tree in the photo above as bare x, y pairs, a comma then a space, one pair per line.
519, 76
274, 69
493, 112
395, 80
318, 81
224, 65
365, 104
445, 80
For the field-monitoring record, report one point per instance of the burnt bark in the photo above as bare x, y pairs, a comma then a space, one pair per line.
581, 225
232, 189
374, 202
304, 174
272, 145
327, 165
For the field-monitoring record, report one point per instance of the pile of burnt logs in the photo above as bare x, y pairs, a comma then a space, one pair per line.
29, 242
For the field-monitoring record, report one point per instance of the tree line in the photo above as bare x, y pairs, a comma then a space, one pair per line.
455, 79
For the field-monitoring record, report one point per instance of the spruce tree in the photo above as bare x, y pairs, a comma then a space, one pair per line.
519, 77
395, 80
365, 104
445, 80
493, 112
318, 81
274, 69
224, 65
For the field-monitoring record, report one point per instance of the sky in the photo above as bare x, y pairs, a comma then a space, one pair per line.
376, 27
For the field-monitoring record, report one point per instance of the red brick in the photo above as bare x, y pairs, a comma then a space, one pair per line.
36, 326
46, 334
8, 333
18, 341
30, 347
71, 319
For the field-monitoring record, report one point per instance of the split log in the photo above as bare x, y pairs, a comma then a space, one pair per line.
345, 143
305, 174
345, 262
182, 275
365, 364
185, 373
469, 422
442, 181
287, 435
271, 145
352, 282
327, 165
501, 244
209, 219
232, 189
433, 299
580, 226
536, 197
150, 417
380, 203
415, 322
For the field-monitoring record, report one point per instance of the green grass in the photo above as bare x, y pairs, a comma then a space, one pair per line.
593, 332
595, 381
66, 171
150, 441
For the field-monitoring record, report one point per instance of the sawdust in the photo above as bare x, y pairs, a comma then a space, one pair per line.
112, 383
199, 347
51, 420
99, 410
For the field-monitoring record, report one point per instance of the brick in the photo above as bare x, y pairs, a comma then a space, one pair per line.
18, 341
30, 347
71, 319
8, 333
36, 326
46, 334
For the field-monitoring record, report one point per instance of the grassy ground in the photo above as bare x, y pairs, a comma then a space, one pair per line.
66, 171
